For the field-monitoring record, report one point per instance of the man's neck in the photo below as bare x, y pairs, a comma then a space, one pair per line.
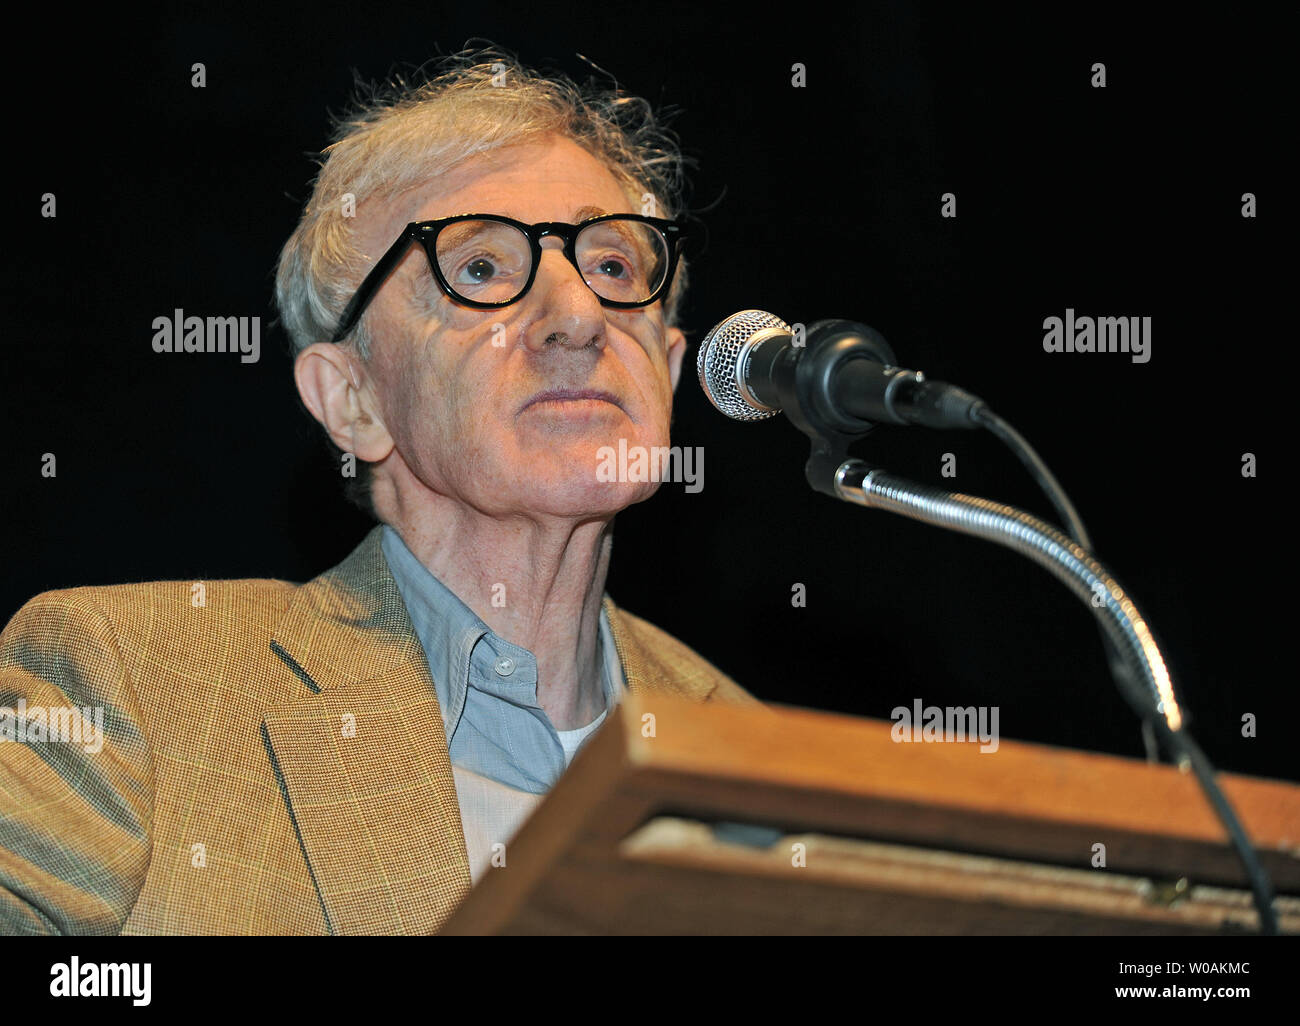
537, 583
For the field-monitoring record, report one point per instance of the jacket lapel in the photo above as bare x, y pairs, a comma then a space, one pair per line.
655, 663
362, 757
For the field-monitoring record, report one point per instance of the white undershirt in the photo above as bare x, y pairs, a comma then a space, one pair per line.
571, 739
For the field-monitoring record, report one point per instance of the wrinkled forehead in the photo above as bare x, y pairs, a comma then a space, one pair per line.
550, 179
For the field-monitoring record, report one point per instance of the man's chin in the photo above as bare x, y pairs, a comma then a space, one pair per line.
597, 472
587, 497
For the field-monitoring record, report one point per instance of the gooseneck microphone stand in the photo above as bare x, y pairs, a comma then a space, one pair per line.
823, 390
1038, 541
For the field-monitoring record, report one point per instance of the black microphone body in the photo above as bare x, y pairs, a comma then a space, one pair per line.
844, 378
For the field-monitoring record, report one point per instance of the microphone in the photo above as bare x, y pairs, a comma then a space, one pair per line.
842, 380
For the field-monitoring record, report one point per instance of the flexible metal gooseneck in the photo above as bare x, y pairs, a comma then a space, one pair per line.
1119, 617
1037, 540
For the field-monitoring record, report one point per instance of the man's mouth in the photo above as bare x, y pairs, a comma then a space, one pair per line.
571, 395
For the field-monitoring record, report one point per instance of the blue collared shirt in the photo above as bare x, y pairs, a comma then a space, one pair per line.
487, 687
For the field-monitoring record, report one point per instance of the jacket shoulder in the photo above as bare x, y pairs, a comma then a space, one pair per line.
157, 611
172, 637
123, 602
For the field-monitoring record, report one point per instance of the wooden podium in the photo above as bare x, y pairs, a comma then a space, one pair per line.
681, 818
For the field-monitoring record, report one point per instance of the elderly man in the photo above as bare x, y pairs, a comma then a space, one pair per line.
481, 295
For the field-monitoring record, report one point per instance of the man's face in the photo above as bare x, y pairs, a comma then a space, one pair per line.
459, 388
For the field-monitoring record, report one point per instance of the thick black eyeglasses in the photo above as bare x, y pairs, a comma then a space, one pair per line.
488, 261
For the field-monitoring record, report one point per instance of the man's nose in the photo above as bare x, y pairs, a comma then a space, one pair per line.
572, 315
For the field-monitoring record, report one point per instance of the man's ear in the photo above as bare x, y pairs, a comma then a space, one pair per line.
676, 350
339, 394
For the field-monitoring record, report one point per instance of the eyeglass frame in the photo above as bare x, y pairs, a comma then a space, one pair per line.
426, 234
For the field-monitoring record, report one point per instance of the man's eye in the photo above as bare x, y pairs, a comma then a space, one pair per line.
478, 271
613, 268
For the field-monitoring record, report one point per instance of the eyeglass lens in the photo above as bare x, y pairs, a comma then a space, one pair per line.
490, 262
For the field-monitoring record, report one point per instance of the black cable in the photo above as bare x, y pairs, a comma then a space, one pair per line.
1178, 743
1073, 523
1260, 884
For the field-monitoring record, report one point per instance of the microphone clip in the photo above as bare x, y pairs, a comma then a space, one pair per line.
806, 385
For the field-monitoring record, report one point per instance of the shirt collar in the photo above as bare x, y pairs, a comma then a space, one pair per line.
449, 631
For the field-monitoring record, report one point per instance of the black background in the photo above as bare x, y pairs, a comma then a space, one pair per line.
819, 202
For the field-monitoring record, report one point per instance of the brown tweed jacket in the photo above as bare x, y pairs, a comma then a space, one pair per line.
226, 798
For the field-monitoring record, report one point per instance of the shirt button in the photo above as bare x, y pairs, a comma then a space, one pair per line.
505, 666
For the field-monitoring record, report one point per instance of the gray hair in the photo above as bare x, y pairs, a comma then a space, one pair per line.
400, 135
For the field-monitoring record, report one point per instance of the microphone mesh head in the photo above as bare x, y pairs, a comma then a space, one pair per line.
720, 353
